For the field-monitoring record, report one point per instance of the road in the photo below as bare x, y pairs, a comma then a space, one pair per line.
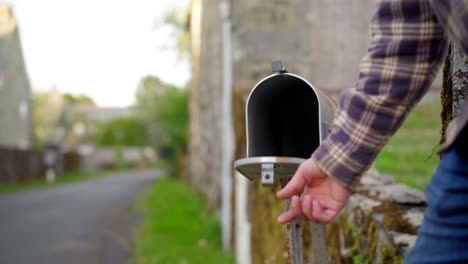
84, 222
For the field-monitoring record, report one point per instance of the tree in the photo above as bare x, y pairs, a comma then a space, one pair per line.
78, 99
53, 115
179, 21
455, 84
128, 131
46, 111
164, 109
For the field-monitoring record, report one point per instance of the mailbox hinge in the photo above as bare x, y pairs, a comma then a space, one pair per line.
277, 66
268, 174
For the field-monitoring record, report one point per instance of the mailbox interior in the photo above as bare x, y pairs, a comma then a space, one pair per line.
283, 118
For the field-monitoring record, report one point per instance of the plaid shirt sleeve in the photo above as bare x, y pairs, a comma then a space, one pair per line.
407, 48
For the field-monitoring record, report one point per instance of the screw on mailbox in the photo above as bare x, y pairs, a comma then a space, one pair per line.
286, 119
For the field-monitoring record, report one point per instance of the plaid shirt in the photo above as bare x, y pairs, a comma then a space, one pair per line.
409, 41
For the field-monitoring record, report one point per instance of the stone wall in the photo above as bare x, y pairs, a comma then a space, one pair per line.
15, 119
379, 223
205, 101
321, 40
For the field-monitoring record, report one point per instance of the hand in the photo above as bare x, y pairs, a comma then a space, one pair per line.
322, 199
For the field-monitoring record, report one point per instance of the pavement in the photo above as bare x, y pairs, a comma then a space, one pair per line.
84, 222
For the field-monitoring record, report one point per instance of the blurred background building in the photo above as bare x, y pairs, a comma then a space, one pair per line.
15, 91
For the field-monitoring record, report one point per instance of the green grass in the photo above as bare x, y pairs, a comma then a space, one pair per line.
177, 228
67, 178
405, 157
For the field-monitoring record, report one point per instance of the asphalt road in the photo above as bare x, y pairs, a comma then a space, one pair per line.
85, 222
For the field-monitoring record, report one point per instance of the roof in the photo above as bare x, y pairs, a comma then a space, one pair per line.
7, 20
104, 114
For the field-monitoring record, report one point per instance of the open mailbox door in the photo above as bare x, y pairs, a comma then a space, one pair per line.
286, 119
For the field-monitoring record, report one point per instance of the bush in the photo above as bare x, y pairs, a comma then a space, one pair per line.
128, 131
165, 110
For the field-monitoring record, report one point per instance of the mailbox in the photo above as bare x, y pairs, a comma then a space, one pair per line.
286, 119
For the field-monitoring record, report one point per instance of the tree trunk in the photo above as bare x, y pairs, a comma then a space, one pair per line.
459, 80
454, 87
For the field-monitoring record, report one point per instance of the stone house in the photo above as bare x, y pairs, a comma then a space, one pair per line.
15, 90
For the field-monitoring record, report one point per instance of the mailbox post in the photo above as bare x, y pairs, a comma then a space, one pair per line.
286, 119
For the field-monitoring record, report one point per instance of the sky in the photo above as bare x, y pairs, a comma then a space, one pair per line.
101, 48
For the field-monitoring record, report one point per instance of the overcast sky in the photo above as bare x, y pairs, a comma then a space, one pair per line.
101, 48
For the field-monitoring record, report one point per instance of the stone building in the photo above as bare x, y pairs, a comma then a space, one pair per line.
320, 40
15, 91
205, 103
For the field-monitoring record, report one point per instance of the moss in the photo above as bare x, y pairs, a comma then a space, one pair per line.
269, 238
365, 241
397, 223
446, 95
239, 100
361, 236
306, 239
333, 239
388, 206
360, 239
392, 218
372, 243
390, 255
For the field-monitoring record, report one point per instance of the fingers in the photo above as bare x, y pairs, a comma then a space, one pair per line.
295, 185
286, 217
312, 210
320, 214
294, 212
296, 207
308, 208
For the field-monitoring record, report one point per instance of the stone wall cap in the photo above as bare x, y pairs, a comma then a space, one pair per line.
399, 193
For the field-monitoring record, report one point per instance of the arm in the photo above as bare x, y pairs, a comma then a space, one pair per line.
452, 16
407, 48
406, 51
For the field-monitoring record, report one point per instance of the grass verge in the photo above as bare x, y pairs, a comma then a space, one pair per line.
177, 228
67, 178
407, 157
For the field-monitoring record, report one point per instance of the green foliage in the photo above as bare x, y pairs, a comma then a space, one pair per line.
128, 131
164, 108
173, 114
405, 157
179, 21
177, 228
78, 99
